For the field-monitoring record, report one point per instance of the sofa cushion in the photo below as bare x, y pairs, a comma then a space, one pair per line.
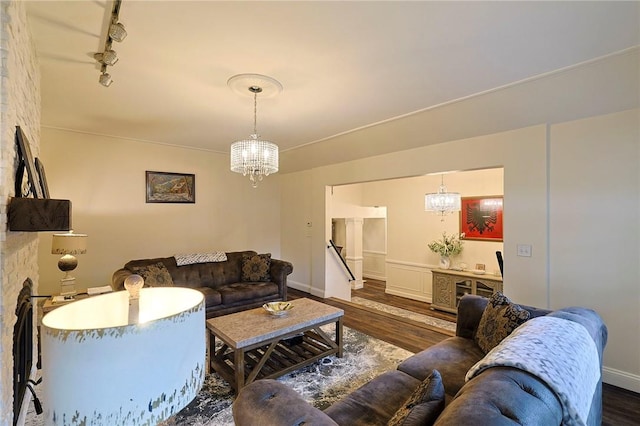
503, 396
211, 296
375, 402
256, 267
452, 358
423, 406
154, 275
499, 319
239, 292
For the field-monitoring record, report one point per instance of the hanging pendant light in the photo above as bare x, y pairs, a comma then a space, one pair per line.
254, 157
442, 202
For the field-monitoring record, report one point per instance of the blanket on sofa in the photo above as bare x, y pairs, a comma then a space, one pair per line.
189, 259
558, 351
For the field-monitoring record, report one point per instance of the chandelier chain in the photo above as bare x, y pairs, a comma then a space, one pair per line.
255, 113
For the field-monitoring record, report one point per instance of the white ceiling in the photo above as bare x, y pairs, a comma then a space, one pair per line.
343, 65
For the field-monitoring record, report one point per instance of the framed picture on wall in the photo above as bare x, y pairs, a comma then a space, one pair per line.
32, 185
43, 178
481, 218
165, 187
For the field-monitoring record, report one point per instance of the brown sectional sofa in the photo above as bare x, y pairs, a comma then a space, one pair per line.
220, 282
497, 396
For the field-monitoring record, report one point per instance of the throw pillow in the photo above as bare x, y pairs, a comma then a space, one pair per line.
256, 267
499, 319
425, 404
154, 275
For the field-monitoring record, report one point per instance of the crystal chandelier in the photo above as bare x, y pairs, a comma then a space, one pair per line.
442, 202
254, 157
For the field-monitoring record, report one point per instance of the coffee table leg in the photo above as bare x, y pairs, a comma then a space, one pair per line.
239, 365
339, 336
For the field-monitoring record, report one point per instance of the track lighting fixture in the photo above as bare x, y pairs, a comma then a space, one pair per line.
105, 77
109, 56
117, 32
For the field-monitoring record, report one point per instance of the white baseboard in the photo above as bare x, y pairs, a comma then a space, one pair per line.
306, 288
621, 379
374, 276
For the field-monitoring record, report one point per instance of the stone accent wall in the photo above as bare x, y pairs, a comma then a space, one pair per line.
19, 105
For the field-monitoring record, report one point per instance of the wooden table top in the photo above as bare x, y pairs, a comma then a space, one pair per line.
246, 328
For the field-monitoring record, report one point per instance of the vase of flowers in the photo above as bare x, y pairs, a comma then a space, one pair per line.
447, 246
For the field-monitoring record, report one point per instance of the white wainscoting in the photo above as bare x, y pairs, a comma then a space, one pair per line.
408, 279
374, 265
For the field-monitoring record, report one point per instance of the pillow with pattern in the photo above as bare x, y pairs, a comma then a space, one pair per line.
256, 267
423, 406
499, 319
154, 275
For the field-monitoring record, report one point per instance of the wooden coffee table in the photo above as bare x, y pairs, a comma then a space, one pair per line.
257, 345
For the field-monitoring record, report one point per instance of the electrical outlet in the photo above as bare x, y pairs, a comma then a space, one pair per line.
524, 250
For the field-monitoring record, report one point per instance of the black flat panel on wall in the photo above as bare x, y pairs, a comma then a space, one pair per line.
39, 214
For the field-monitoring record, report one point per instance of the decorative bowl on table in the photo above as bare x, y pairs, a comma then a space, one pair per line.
277, 308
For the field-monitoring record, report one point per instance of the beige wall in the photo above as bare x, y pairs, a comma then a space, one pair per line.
289, 214
408, 261
539, 163
105, 179
410, 228
594, 256
526, 165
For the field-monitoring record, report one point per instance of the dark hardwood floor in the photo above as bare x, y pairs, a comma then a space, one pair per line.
621, 407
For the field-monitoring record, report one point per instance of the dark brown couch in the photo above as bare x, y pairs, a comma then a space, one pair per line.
220, 282
498, 396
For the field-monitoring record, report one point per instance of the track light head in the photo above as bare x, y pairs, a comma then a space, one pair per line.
117, 32
105, 79
108, 57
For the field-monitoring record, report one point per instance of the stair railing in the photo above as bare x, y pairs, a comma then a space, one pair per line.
335, 248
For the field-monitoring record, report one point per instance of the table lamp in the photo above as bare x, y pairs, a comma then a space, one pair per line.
101, 367
69, 245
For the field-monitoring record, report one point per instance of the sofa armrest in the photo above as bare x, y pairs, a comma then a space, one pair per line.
279, 271
269, 402
470, 311
117, 280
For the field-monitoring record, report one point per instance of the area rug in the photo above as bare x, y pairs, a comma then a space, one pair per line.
404, 313
321, 384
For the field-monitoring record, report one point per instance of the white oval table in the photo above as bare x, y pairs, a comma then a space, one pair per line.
106, 362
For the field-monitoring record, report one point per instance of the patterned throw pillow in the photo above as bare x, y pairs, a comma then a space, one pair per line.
155, 275
256, 267
499, 319
425, 404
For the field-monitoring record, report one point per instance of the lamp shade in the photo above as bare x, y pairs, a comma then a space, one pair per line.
69, 243
104, 366
442, 202
254, 157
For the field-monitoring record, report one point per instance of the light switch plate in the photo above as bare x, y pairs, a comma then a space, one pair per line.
524, 250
